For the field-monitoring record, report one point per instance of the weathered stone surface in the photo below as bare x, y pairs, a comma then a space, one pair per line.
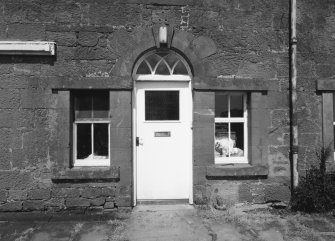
11, 207
117, 44
112, 82
112, 173
16, 118
93, 53
204, 46
65, 192
26, 32
109, 205
108, 191
98, 201
277, 193
200, 196
3, 32
31, 205
245, 194
39, 194
88, 39
62, 38
3, 195
15, 180
77, 202
123, 201
17, 195
55, 202
33, 98
234, 84
236, 171
5, 158
9, 98
91, 192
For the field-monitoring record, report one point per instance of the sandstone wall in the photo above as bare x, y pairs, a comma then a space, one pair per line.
97, 44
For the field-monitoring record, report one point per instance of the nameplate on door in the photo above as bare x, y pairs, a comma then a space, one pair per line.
162, 133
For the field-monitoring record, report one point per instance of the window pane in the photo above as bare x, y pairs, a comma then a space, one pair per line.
221, 140
100, 104
143, 68
101, 140
82, 105
171, 59
225, 147
221, 105
236, 106
153, 60
237, 137
84, 144
161, 105
180, 69
162, 69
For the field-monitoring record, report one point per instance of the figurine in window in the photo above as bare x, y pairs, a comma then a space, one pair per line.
226, 148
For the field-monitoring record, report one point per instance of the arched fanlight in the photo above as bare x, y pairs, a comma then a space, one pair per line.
160, 66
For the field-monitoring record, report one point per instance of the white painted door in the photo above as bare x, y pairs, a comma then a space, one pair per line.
164, 140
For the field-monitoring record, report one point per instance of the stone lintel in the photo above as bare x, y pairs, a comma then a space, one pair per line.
236, 84
113, 82
326, 84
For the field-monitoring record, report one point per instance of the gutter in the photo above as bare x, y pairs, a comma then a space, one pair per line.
293, 96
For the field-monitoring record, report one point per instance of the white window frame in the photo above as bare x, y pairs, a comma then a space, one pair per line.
244, 120
90, 161
94, 161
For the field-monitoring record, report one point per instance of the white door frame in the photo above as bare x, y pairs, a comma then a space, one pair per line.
134, 132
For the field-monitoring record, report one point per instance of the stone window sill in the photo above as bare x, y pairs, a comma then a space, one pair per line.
87, 173
236, 170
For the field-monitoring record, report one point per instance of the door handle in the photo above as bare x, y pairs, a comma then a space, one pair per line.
138, 143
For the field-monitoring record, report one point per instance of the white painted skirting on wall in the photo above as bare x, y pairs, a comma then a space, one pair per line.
27, 48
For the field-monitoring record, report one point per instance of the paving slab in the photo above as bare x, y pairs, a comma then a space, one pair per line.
166, 223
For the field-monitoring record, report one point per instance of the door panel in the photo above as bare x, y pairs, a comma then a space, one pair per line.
164, 132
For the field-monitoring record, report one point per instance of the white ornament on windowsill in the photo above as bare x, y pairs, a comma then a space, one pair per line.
224, 147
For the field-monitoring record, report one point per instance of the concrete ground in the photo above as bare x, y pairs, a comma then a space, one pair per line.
170, 223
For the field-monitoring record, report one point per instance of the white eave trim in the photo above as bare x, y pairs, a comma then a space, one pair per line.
27, 48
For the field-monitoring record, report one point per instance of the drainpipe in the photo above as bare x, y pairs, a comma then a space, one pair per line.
293, 96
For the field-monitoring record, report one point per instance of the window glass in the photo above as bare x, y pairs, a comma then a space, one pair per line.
162, 69
221, 105
161, 105
100, 140
171, 59
236, 105
222, 143
180, 69
230, 128
143, 68
237, 137
153, 60
83, 105
91, 104
84, 141
100, 104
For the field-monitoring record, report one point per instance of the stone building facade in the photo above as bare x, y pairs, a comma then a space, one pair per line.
234, 64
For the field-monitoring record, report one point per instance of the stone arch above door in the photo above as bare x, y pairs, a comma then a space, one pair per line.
131, 46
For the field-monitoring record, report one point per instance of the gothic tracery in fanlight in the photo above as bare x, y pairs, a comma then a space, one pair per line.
157, 66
